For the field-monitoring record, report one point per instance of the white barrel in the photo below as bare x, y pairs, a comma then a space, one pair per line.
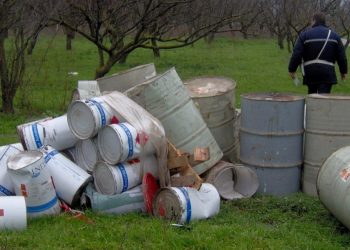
85, 90
127, 79
6, 185
87, 154
233, 181
87, 117
129, 201
13, 213
119, 142
54, 132
69, 179
184, 204
32, 180
119, 178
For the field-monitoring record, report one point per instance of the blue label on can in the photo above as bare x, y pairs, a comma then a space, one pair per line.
124, 176
130, 139
5, 191
43, 207
101, 111
188, 204
36, 136
48, 156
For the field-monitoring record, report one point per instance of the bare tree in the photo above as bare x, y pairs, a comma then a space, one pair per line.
118, 27
20, 22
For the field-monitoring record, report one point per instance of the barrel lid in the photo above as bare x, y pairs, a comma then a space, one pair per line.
79, 117
24, 159
150, 187
167, 205
329, 96
209, 86
104, 180
279, 97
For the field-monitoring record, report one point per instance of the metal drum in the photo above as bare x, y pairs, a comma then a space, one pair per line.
166, 98
215, 98
271, 140
127, 79
333, 184
327, 129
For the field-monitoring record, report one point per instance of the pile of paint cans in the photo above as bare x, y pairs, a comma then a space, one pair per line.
106, 154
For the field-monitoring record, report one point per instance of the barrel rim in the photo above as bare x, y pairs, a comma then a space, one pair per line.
194, 95
329, 96
127, 71
36, 156
272, 96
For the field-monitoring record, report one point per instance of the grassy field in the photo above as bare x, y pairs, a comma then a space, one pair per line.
294, 222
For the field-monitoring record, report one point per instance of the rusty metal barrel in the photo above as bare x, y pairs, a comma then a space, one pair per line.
271, 140
327, 129
215, 98
333, 184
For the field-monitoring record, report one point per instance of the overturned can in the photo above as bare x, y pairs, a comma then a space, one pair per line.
120, 142
32, 180
87, 117
69, 179
87, 154
184, 204
54, 132
6, 185
115, 179
233, 181
129, 201
13, 213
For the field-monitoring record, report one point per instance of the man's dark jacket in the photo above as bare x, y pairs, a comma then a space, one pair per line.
307, 48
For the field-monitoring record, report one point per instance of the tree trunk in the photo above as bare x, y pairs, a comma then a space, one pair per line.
32, 44
6, 97
209, 38
68, 43
104, 69
280, 39
156, 51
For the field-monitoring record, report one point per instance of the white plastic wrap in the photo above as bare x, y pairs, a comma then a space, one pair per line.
149, 130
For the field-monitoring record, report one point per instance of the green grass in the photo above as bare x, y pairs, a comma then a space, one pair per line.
295, 222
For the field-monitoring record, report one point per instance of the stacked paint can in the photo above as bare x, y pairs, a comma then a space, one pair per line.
32, 180
215, 98
327, 129
6, 185
54, 132
271, 140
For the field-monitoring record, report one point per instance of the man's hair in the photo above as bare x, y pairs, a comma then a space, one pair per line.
319, 18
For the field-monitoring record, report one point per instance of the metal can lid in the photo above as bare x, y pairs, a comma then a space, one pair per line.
209, 86
279, 97
167, 205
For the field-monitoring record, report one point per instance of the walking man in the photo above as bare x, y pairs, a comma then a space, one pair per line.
316, 51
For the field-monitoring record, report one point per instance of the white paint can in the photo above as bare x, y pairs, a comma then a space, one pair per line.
120, 142
69, 179
13, 214
129, 201
87, 154
115, 179
32, 180
184, 204
6, 185
87, 117
54, 132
